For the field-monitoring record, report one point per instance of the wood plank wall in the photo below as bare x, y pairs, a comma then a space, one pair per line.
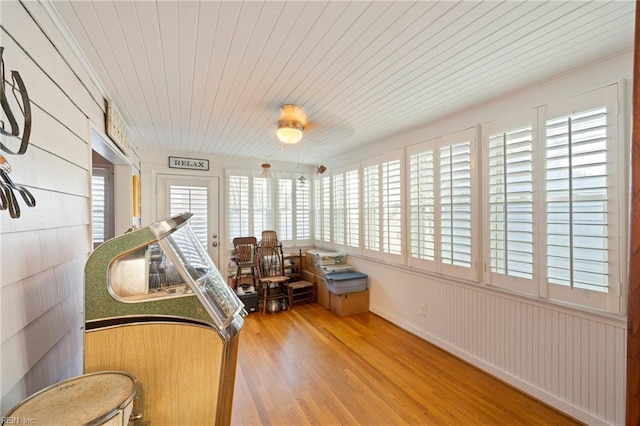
44, 251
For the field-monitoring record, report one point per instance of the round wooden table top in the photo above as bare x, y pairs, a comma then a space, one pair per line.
91, 398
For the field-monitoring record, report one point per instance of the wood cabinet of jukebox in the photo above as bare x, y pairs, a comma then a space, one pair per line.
158, 308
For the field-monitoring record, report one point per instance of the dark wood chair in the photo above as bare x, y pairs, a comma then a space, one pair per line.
298, 291
244, 256
271, 278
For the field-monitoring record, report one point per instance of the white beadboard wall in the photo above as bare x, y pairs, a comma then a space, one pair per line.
44, 251
570, 359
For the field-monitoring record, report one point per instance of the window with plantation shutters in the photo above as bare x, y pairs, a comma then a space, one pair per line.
285, 209
554, 201
303, 210
510, 167
382, 206
262, 206
422, 205
455, 204
352, 208
322, 207
192, 199
371, 207
325, 182
338, 209
391, 208
100, 206
577, 200
256, 204
238, 206
317, 209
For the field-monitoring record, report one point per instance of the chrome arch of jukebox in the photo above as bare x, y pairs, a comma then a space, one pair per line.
157, 307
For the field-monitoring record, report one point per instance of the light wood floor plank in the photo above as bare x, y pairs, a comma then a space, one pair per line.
311, 367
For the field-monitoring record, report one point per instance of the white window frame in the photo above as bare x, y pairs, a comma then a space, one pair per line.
105, 172
352, 207
242, 212
338, 219
611, 300
371, 244
322, 209
421, 149
302, 224
271, 219
376, 164
346, 209
506, 124
469, 135
285, 208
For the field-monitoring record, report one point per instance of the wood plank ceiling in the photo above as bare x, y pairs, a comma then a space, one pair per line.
208, 77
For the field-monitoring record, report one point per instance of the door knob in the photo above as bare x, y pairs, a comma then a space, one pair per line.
215, 244
214, 236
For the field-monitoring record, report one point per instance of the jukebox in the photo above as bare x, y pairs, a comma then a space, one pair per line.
158, 308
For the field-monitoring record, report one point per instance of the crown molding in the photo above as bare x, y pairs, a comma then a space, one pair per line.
57, 20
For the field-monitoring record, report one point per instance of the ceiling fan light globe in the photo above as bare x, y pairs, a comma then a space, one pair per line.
289, 131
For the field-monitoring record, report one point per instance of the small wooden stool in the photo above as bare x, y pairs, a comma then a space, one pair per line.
300, 292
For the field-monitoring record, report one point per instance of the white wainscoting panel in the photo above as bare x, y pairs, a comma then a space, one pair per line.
568, 358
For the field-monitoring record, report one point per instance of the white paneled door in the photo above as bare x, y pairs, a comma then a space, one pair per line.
198, 195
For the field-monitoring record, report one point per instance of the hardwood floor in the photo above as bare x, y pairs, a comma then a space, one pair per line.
311, 367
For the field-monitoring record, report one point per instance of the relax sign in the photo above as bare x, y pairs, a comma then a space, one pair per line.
188, 163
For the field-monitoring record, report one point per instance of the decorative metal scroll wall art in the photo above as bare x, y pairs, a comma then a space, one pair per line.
10, 128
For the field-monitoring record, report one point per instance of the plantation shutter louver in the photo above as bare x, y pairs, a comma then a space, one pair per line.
455, 204
391, 208
422, 205
303, 210
238, 206
577, 200
511, 203
285, 209
98, 199
192, 199
371, 207
352, 208
262, 210
338, 209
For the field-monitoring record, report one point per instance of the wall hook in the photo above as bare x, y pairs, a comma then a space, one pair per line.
25, 109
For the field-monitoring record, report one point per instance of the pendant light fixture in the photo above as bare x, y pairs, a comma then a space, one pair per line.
266, 171
290, 124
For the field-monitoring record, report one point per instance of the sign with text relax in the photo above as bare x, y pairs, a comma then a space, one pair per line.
188, 163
